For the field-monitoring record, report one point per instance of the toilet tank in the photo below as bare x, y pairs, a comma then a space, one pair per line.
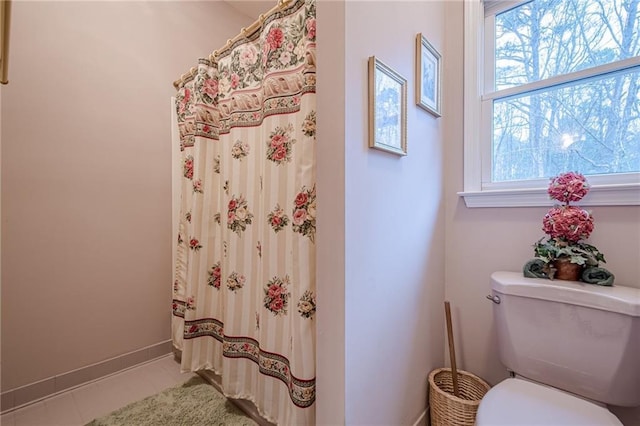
581, 338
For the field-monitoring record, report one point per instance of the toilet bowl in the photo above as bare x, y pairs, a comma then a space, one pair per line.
516, 402
576, 344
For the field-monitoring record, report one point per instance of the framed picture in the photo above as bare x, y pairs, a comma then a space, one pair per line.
428, 70
387, 108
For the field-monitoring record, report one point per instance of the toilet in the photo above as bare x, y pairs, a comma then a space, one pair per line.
571, 349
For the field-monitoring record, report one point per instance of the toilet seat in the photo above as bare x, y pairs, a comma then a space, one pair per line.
519, 402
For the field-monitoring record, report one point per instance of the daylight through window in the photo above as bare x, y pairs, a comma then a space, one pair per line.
562, 89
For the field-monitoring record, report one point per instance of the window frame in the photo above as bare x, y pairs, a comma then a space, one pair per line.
621, 189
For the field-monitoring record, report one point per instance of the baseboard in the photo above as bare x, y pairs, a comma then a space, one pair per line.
28, 394
423, 420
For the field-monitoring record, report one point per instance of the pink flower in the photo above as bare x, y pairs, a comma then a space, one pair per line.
211, 87
233, 204
248, 56
275, 221
188, 168
276, 304
301, 199
275, 291
274, 38
193, 242
280, 154
185, 100
299, 216
277, 140
235, 79
569, 223
206, 128
567, 187
311, 28
285, 58
193, 328
231, 217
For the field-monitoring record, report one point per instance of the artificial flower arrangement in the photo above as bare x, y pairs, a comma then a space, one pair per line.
567, 226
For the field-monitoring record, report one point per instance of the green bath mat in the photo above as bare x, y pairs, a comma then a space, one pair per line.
193, 403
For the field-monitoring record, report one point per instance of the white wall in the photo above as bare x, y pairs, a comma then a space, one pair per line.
394, 228
86, 176
481, 241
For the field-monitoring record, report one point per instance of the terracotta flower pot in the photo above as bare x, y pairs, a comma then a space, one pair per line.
565, 270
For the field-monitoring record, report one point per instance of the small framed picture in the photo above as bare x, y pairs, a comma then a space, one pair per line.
428, 70
387, 108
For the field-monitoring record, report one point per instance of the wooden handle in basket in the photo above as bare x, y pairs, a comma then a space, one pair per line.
452, 350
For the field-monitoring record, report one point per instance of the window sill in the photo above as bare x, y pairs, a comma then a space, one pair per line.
601, 195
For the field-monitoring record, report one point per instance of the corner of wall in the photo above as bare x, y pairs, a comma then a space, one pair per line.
330, 401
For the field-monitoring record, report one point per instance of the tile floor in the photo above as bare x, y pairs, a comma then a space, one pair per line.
83, 404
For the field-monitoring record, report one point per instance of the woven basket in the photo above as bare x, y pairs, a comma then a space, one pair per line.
446, 408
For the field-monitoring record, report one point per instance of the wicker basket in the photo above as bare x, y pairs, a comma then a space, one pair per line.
446, 408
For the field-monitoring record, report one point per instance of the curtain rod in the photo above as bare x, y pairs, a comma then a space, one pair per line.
5, 12
243, 33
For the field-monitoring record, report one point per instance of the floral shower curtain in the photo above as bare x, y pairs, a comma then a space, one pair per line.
244, 291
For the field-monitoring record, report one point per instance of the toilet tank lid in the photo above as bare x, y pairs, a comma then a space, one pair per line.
620, 299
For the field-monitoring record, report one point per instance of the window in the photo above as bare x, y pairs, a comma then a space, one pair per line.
551, 86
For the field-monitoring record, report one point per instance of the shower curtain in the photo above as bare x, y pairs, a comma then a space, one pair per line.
244, 291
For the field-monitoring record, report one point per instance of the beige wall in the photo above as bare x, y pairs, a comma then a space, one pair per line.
330, 242
86, 201
86, 176
1, 221
481, 241
394, 225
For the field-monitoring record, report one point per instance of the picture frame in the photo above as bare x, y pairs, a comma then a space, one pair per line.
387, 108
428, 76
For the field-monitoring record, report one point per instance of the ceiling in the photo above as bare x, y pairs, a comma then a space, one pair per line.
252, 8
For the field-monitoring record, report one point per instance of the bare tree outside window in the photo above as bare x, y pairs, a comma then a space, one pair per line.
590, 125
